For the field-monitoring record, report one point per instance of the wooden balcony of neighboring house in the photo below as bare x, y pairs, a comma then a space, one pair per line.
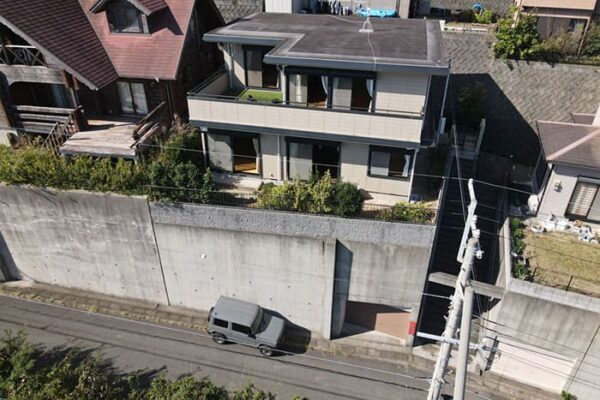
117, 137
21, 55
216, 104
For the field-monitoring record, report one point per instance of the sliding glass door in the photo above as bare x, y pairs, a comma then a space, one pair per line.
312, 157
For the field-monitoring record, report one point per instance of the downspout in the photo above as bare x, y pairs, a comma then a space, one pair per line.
168, 91
443, 102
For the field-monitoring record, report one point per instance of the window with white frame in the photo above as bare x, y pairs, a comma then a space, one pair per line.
585, 200
133, 98
390, 162
124, 17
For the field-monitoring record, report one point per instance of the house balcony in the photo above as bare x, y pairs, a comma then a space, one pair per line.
214, 104
21, 55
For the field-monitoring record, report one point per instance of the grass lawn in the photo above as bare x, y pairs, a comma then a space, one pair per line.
261, 96
556, 256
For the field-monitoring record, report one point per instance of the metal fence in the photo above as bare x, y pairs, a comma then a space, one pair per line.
250, 200
564, 281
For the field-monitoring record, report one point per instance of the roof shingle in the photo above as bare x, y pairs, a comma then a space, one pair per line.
60, 28
556, 136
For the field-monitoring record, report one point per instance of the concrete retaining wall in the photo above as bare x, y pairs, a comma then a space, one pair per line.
189, 255
97, 242
546, 320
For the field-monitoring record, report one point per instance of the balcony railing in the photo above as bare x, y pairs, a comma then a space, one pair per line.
21, 55
214, 101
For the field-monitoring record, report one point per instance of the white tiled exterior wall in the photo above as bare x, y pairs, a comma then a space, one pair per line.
401, 92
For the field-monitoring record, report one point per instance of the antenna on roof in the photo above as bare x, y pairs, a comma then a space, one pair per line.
367, 26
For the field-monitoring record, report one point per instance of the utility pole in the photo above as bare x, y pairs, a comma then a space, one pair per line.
469, 249
460, 380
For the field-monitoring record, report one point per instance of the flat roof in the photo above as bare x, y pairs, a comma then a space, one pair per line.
330, 41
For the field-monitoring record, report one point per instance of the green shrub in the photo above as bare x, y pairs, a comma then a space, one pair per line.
180, 182
484, 17
466, 16
515, 223
522, 271
28, 373
556, 48
564, 395
319, 195
417, 213
183, 146
346, 199
39, 167
519, 246
516, 40
591, 45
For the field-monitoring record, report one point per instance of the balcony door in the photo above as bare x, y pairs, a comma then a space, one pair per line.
258, 74
239, 153
133, 98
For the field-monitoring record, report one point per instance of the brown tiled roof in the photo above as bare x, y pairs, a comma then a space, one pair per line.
59, 28
150, 6
570, 144
147, 56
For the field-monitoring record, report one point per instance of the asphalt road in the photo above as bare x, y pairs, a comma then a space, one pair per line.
133, 345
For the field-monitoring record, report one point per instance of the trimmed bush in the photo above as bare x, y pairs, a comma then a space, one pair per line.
404, 211
591, 46
319, 195
346, 199
183, 146
484, 17
35, 166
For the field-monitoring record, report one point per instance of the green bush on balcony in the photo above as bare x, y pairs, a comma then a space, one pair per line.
418, 213
319, 195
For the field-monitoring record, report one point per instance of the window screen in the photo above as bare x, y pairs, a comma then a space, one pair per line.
582, 199
220, 322
241, 329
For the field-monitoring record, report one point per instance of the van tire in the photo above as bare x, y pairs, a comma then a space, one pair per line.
219, 338
265, 350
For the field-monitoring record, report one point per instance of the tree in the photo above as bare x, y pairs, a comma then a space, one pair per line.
516, 40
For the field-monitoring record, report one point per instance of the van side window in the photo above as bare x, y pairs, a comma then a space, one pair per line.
241, 328
220, 322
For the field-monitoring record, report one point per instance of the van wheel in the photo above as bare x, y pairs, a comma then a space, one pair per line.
219, 338
265, 350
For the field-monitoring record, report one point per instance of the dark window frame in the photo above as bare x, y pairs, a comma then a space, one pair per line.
120, 10
390, 150
135, 107
338, 145
233, 135
591, 181
330, 74
264, 50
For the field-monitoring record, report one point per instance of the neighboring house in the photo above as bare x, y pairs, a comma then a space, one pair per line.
337, 7
305, 94
235, 9
446, 8
74, 62
555, 17
571, 185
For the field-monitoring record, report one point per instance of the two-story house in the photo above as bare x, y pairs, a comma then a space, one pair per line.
304, 94
85, 64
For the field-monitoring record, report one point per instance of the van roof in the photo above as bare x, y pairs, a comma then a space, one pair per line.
237, 311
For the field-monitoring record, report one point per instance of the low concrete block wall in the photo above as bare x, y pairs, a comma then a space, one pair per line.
99, 242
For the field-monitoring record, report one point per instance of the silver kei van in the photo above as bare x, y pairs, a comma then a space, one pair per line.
237, 321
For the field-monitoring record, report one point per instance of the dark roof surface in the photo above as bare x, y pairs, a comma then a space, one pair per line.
60, 28
335, 42
147, 56
234, 9
556, 137
148, 7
